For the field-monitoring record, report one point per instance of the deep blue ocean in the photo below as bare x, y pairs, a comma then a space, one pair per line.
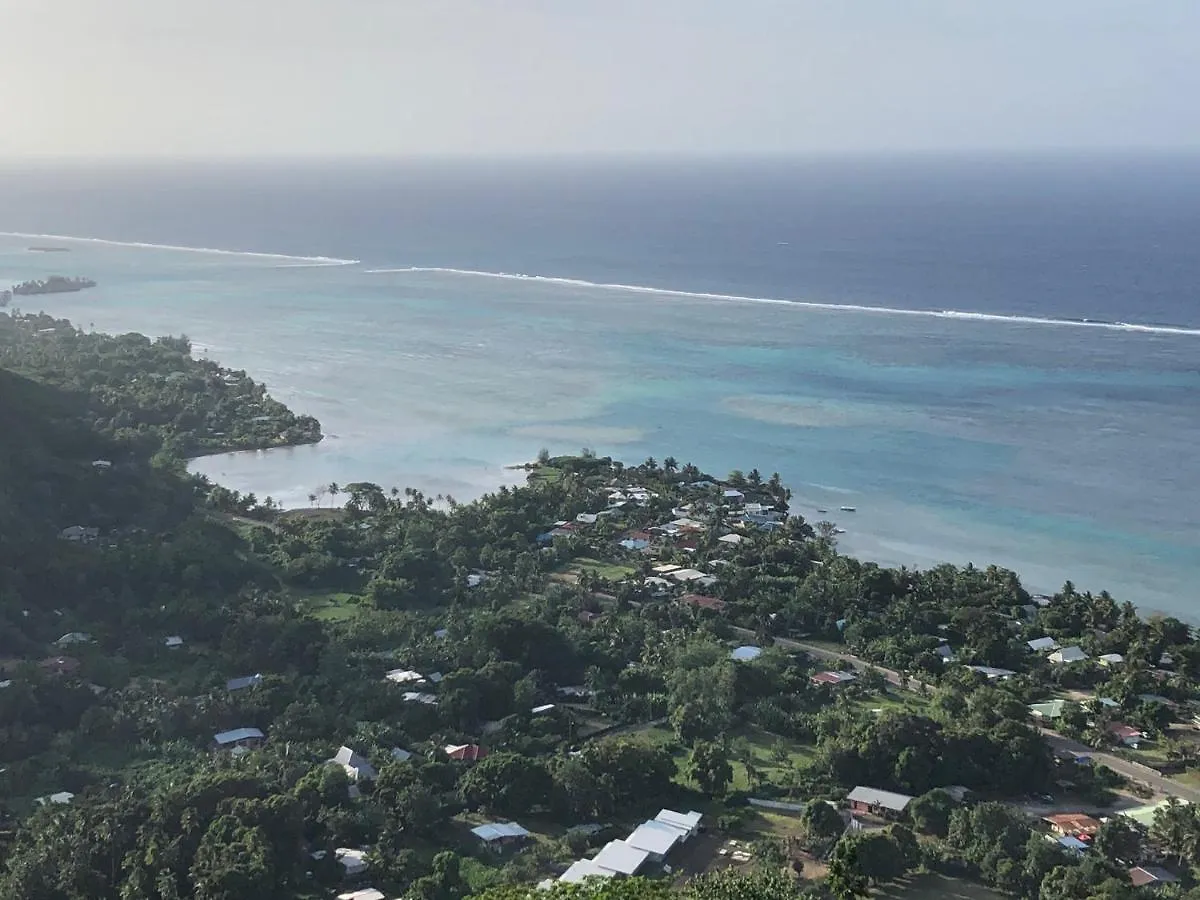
995, 360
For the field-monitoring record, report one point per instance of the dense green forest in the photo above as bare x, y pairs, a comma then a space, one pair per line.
574, 656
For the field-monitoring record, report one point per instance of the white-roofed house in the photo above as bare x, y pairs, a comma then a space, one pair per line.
621, 859
353, 764
62, 798
363, 894
733, 495
731, 538
656, 838
74, 637
353, 862
404, 676
688, 822
583, 869
497, 835
1110, 659
173, 641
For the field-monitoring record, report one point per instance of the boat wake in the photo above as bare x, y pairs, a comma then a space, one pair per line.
801, 304
303, 261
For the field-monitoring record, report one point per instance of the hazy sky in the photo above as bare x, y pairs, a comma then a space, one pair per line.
389, 77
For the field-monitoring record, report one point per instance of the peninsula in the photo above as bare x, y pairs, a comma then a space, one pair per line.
54, 284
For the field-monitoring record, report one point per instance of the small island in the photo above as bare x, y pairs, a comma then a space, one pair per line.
55, 284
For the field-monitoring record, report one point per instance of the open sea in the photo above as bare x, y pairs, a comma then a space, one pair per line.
994, 360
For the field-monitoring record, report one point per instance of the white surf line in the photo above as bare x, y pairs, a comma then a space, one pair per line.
319, 260
803, 304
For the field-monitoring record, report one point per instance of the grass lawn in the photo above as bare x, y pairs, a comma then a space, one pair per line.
758, 745
936, 887
545, 475
328, 606
611, 571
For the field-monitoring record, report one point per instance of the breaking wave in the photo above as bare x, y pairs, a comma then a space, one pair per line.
804, 304
304, 261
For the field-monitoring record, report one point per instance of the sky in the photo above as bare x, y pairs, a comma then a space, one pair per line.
247, 78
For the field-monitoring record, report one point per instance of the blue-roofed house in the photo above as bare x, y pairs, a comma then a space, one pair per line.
1072, 844
239, 737
246, 681
746, 653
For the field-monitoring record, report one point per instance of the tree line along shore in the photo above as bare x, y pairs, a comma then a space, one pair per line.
619, 680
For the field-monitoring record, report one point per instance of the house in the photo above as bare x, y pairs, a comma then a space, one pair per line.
240, 737
79, 534
688, 575
634, 544
173, 642
74, 637
442, 633
1072, 823
658, 587
688, 823
587, 518
62, 798
833, 677
731, 538
354, 862
1067, 655
583, 869
475, 579
1110, 659
1150, 876
877, 802
500, 834
363, 894
665, 569
746, 653
101, 464
945, 651
404, 676
353, 764
464, 752
993, 674
1051, 709
733, 495
399, 754
420, 697
621, 859
1126, 734
1072, 844
699, 601
764, 518
543, 709
574, 690
656, 838
1042, 644
246, 681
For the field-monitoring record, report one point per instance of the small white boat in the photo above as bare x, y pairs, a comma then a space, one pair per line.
849, 509
822, 511
839, 531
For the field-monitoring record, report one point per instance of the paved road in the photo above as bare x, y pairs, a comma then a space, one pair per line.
1131, 770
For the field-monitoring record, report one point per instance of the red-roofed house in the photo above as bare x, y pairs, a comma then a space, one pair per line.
833, 677
699, 601
1126, 734
465, 752
1072, 823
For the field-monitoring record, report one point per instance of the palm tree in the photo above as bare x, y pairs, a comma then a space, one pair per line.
670, 464
312, 499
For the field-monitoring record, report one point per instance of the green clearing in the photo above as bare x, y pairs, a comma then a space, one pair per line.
936, 887
545, 475
329, 606
607, 570
751, 745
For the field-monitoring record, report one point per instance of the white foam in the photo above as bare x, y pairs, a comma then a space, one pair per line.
802, 304
317, 260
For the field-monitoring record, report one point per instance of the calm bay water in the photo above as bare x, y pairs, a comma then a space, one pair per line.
1063, 449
